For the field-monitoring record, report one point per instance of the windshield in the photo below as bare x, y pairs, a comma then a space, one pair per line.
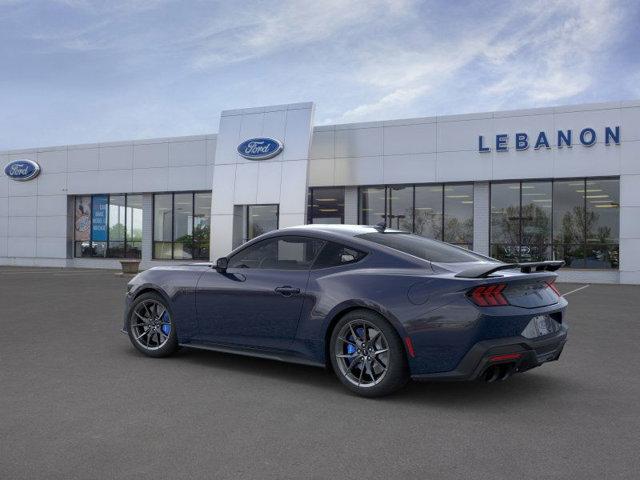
425, 248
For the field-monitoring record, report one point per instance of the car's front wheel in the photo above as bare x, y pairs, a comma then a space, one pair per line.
150, 326
367, 354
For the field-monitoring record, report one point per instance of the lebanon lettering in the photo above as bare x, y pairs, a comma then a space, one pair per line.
562, 139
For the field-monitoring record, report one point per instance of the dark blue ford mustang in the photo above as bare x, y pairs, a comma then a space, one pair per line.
377, 306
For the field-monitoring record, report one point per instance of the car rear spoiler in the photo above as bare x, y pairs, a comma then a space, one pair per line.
484, 270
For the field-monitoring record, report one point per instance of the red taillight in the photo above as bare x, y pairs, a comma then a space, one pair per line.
489, 295
506, 356
552, 286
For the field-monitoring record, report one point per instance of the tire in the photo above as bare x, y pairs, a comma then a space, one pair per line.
151, 327
367, 354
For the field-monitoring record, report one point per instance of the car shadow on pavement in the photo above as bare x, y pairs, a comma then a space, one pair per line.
520, 389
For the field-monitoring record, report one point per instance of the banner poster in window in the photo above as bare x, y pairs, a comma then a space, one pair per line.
99, 213
83, 219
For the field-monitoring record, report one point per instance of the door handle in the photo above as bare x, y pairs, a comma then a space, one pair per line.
287, 291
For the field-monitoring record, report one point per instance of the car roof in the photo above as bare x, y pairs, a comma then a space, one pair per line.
348, 231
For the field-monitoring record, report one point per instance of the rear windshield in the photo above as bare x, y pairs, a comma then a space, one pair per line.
421, 247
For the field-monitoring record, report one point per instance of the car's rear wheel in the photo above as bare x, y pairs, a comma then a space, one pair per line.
367, 354
150, 326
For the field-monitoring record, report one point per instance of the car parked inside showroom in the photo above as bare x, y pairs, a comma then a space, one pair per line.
377, 306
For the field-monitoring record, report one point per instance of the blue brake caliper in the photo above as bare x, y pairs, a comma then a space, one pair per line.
166, 328
351, 348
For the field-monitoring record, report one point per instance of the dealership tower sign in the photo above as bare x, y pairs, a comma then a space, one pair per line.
564, 138
260, 148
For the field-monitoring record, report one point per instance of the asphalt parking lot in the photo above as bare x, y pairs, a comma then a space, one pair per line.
77, 401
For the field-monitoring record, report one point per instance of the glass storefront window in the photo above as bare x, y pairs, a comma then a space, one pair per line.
181, 225
162, 225
372, 205
261, 219
201, 224
325, 205
116, 226
134, 226
458, 215
108, 226
573, 220
505, 221
602, 198
428, 211
441, 212
568, 222
536, 208
82, 226
400, 207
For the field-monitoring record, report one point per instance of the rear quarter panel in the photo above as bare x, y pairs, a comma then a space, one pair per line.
432, 309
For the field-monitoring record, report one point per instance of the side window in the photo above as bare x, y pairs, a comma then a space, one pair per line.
281, 253
334, 254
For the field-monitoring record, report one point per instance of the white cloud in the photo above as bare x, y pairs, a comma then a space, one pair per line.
544, 52
554, 63
161, 68
287, 25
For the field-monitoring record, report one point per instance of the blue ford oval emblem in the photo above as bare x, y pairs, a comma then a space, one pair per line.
22, 170
260, 148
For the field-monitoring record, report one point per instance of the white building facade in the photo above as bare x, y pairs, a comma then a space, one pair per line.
526, 185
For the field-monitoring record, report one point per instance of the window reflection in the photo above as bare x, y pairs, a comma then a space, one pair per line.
116, 226
201, 225
134, 226
325, 205
162, 225
505, 221
432, 211
573, 220
569, 222
428, 211
603, 223
182, 225
372, 205
458, 215
536, 221
400, 208
261, 219
108, 226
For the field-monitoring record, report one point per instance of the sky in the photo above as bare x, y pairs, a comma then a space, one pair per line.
80, 71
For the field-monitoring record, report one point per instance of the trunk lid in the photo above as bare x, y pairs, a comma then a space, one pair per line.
526, 290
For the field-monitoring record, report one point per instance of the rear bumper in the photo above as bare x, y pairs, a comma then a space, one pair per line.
532, 353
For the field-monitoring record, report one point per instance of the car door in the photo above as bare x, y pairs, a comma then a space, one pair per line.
258, 300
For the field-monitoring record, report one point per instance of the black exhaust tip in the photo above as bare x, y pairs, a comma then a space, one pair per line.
498, 373
506, 371
491, 374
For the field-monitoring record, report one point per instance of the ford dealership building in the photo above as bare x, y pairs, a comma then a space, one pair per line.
526, 185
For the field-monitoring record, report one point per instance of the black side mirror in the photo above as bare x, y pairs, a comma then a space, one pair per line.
221, 264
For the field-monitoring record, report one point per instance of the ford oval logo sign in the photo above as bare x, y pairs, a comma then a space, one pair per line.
22, 170
260, 148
